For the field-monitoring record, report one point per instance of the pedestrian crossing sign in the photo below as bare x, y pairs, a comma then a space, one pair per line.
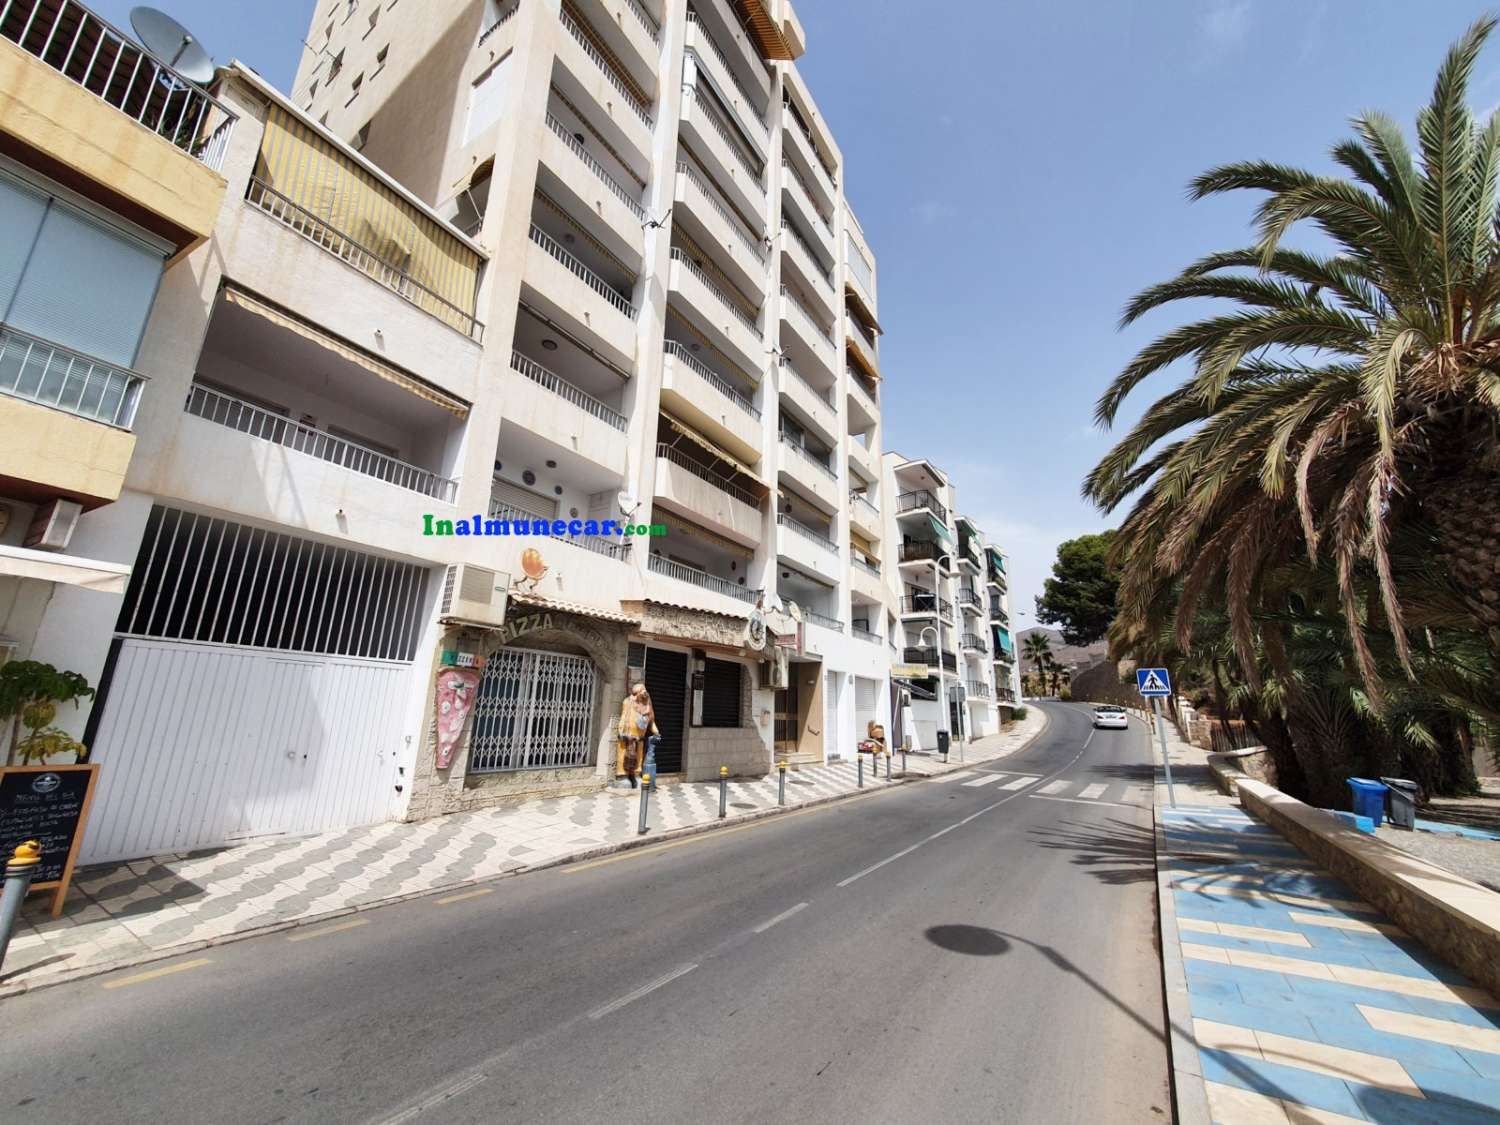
1153, 681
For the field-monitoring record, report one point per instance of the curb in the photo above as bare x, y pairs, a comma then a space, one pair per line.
1189, 1094
83, 972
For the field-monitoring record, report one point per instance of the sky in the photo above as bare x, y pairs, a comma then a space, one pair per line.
1019, 169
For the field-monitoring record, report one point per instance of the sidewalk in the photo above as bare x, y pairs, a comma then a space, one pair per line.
1292, 1001
129, 913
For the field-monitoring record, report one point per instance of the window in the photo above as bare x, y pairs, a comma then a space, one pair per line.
721, 693
534, 710
485, 100
362, 137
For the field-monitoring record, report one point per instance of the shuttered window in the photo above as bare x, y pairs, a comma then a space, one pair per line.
21, 212
721, 693
522, 500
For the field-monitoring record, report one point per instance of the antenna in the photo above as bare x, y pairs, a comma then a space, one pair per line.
169, 42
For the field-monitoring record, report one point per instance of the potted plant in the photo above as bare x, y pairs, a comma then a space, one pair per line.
30, 692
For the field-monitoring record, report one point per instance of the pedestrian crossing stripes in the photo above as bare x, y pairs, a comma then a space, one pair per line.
1057, 789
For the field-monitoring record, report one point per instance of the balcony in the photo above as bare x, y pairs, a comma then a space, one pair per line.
749, 105
548, 405
862, 459
925, 654
978, 691
630, 33
588, 78
865, 517
617, 549
997, 612
722, 506
808, 271
730, 165
864, 405
814, 404
861, 341
919, 500
813, 476
712, 223
809, 341
822, 620
693, 391
265, 425
925, 552
996, 579
571, 172
683, 573
594, 310
804, 205
815, 176
860, 633
805, 546
43, 372
926, 604
969, 602
973, 642
865, 581
734, 326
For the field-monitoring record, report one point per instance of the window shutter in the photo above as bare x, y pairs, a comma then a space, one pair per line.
721, 693
21, 213
523, 500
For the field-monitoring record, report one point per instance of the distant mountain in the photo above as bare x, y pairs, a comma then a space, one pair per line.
1069, 656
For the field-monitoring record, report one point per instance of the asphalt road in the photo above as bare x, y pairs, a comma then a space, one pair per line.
940, 952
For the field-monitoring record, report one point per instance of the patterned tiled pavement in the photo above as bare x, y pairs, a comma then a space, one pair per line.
1306, 1004
136, 911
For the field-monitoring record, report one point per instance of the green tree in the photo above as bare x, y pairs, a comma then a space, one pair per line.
1080, 595
1037, 648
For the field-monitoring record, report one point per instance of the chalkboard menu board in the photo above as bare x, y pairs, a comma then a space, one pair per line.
48, 804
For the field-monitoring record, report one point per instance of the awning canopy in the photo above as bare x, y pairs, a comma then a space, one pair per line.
857, 355
940, 530
51, 566
998, 559
1002, 638
577, 609
676, 526
292, 323
686, 431
768, 36
864, 311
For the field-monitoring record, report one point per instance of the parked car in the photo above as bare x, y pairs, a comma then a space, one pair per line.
1108, 716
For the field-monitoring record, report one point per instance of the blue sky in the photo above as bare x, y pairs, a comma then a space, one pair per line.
1019, 169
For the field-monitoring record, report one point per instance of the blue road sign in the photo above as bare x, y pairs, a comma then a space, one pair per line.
1153, 681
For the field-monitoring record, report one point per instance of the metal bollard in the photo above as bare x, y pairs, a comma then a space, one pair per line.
860, 764
887, 765
723, 792
645, 802
781, 783
18, 872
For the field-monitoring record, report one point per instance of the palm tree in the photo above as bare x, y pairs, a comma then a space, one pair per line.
1345, 409
1037, 648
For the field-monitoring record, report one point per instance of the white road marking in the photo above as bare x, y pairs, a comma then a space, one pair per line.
983, 779
1018, 783
1092, 791
882, 863
954, 776
436, 1099
1076, 801
782, 917
644, 990
1054, 787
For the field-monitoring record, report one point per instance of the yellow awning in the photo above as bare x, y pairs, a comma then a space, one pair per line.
865, 313
857, 354
677, 526
390, 374
768, 36
694, 436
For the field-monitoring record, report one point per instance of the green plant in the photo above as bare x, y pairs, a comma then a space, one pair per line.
29, 694
1019, 711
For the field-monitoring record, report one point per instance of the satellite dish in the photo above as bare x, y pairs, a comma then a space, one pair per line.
532, 564
794, 611
627, 501
169, 42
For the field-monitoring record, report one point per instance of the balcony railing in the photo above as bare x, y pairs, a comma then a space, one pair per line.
682, 573
995, 578
918, 499
718, 53
506, 12
236, 414
866, 565
864, 634
863, 333
597, 544
566, 390
103, 60
750, 163
703, 473
818, 269
650, 24
595, 167
978, 689
796, 302
919, 655
823, 620
607, 68
825, 395
796, 177
346, 249
52, 375
810, 457
808, 533
715, 200
817, 152
681, 255
997, 612
864, 387
1005, 694
864, 505
924, 550
581, 271
973, 641
709, 376
925, 604
970, 600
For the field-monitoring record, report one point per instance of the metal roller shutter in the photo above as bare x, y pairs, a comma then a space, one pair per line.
721, 693
666, 680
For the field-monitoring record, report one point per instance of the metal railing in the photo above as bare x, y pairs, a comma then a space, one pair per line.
811, 534
921, 498
860, 500
864, 385
920, 655
40, 371
597, 544
756, 246
1005, 694
973, 641
824, 396
970, 599
791, 170
103, 60
708, 375
923, 550
681, 255
866, 565
978, 689
810, 457
705, 474
926, 604
581, 271
595, 167
750, 163
812, 144
796, 302
823, 619
718, 53
505, 14
632, 99
566, 390
864, 334
864, 634
995, 578
236, 414
997, 612
683, 573
266, 198
816, 267
653, 29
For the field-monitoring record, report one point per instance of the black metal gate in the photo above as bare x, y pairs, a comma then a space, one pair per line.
666, 680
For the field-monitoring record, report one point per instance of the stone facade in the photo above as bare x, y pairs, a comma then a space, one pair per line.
437, 792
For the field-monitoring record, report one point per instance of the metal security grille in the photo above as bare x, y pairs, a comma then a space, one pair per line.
535, 711
197, 578
721, 693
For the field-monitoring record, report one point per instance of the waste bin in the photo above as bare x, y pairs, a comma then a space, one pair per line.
1401, 801
942, 747
1368, 798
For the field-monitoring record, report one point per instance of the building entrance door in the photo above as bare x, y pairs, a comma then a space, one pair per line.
788, 708
666, 680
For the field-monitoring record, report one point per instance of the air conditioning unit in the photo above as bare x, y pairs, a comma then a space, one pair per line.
53, 525
474, 595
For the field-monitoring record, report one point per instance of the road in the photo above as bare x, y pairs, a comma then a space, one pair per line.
980, 948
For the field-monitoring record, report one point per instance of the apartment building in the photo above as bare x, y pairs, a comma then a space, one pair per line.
1007, 675
485, 265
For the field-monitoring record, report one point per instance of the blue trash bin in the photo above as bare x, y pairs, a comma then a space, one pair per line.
1368, 798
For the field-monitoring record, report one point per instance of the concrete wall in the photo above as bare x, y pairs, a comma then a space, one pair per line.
53, 453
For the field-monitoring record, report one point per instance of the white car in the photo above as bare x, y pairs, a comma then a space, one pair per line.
1109, 717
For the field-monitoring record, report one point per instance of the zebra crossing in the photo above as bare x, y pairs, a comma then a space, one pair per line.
1076, 790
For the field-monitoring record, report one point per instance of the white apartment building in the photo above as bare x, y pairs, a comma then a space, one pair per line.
575, 263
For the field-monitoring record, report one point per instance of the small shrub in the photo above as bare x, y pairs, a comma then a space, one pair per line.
1019, 711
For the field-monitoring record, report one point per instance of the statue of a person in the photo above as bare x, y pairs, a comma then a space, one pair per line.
637, 724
